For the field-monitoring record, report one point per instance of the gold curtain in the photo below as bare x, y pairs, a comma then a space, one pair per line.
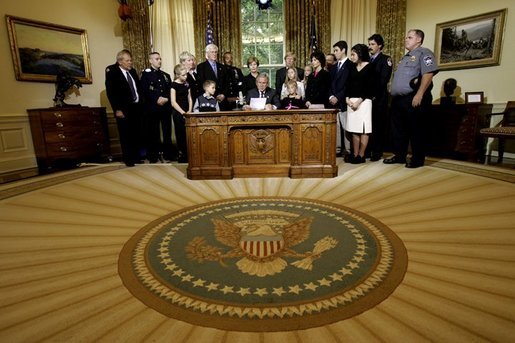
353, 21
172, 30
391, 24
297, 22
136, 33
226, 27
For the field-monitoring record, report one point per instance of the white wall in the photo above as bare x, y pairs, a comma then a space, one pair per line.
493, 81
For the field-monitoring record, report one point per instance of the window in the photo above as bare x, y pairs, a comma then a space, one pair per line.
263, 36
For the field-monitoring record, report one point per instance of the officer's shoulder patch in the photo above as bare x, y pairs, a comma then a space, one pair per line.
148, 70
389, 62
428, 61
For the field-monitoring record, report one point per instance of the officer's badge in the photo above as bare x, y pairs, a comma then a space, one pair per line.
413, 58
166, 78
151, 87
428, 61
389, 62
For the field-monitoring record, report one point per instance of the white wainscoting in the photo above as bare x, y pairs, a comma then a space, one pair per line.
16, 148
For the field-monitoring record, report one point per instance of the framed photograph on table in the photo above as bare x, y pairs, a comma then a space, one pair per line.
474, 97
42, 50
471, 42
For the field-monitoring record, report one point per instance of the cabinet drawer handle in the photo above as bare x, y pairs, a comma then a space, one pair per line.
61, 136
63, 148
59, 124
57, 115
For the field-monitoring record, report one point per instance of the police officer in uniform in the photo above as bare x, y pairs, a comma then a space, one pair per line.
156, 85
411, 100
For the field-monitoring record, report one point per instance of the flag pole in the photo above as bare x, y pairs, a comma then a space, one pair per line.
209, 26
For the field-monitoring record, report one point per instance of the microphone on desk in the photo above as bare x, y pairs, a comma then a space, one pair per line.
241, 99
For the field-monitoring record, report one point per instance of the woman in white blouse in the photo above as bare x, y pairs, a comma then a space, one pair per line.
291, 74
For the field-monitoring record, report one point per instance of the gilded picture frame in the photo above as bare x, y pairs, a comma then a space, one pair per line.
471, 42
42, 50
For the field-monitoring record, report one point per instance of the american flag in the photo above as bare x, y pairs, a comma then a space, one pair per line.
210, 39
313, 41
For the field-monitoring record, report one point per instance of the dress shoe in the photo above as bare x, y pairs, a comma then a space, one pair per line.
414, 164
357, 159
375, 157
129, 164
394, 159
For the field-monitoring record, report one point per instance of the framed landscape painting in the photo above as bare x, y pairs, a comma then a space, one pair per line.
471, 42
41, 51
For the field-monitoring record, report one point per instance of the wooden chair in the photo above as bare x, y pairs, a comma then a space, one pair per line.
504, 130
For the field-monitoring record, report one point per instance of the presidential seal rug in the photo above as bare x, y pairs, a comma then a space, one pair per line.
263, 264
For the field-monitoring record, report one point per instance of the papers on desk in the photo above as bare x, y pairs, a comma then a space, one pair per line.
257, 103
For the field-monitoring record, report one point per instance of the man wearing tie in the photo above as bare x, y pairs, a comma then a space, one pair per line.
122, 88
263, 91
339, 73
210, 69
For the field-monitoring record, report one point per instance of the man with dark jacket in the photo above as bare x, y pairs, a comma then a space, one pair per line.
210, 69
263, 91
339, 73
382, 65
122, 88
155, 86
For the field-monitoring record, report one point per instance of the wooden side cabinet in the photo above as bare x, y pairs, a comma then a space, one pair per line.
66, 136
454, 131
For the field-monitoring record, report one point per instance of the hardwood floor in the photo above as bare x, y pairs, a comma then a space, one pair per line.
59, 246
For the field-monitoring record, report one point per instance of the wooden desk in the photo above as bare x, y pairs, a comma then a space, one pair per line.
294, 143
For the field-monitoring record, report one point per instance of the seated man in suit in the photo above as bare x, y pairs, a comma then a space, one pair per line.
263, 91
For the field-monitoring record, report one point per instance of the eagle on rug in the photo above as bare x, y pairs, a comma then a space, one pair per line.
260, 246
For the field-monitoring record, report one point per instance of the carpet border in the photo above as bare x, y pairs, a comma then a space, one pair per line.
381, 293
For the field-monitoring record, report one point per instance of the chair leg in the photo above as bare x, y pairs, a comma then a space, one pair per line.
500, 150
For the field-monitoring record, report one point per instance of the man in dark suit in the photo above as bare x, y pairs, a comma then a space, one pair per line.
339, 73
210, 69
280, 75
122, 88
263, 91
155, 87
382, 65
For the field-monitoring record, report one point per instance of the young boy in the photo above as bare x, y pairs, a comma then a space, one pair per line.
293, 100
207, 101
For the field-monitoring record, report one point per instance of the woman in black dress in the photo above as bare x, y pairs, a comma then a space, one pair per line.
359, 92
318, 82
